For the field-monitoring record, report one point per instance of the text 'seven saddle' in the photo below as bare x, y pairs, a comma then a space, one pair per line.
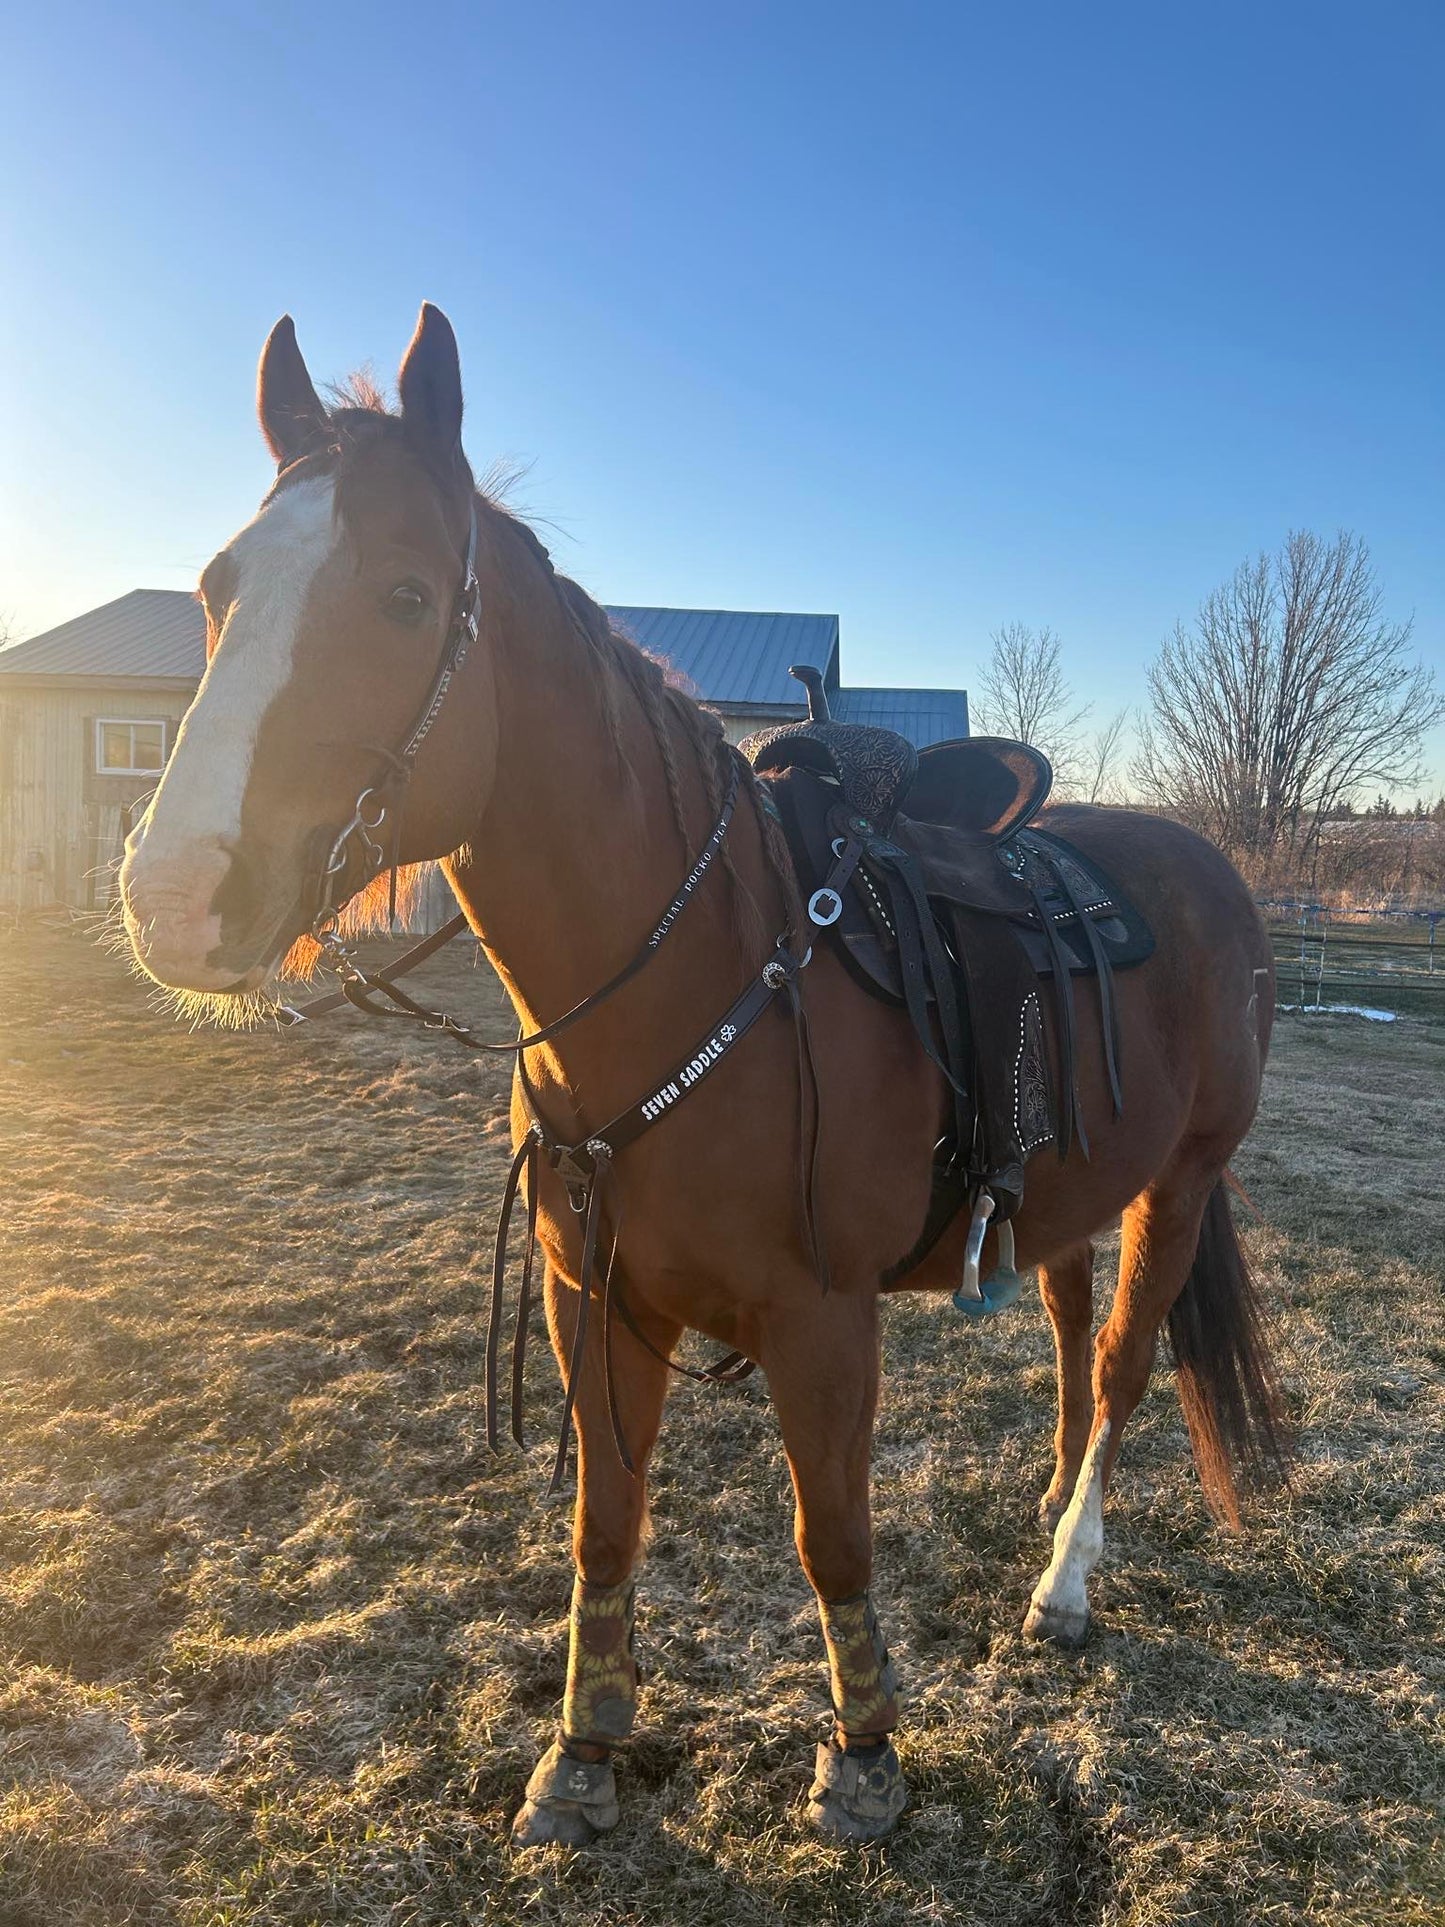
923, 868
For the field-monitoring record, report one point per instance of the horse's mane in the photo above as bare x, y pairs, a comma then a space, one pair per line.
623, 668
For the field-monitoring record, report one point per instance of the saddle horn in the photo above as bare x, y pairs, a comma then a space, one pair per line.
812, 681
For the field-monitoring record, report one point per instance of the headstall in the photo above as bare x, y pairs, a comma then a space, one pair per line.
378, 808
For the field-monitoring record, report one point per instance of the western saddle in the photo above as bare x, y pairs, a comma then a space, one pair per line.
941, 898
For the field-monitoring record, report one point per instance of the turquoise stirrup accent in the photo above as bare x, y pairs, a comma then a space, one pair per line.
995, 1293
976, 1297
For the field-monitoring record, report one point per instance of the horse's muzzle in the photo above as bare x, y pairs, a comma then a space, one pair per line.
194, 917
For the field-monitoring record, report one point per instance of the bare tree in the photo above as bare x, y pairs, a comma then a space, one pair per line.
1289, 695
1100, 759
1024, 693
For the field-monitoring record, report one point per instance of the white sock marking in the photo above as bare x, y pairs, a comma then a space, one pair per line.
1078, 1541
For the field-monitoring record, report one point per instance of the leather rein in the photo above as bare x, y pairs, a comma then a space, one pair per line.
584, 1166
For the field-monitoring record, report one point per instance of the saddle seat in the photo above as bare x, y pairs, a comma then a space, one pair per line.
924, 871
982, 785
958, 809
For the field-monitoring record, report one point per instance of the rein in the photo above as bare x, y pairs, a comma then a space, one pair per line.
361, 988
585, 1166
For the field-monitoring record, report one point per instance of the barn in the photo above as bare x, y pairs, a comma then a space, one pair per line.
89, 710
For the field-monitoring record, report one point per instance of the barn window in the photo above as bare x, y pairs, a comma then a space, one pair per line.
124, 747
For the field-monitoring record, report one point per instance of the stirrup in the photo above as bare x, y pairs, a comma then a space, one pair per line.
975, 1298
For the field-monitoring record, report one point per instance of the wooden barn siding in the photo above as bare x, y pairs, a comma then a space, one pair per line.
738, 724
56, 839
60, 829
60, 826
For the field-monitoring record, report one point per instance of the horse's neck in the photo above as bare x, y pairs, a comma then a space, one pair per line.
580, 850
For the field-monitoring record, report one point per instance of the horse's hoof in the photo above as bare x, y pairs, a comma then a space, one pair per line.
552, 1823
569, 1802
856, 1796
1059, 1625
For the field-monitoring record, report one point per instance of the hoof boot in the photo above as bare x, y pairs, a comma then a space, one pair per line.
1058, 1625
569, 1802
856, 1796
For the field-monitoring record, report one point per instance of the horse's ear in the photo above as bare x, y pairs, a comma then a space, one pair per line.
293, 419
430, 385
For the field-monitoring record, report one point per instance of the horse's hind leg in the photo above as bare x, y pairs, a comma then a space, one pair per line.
822, 1366
571, 1796
1066, 1285
1160, 1238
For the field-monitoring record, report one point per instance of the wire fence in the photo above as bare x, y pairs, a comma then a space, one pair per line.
1371, 959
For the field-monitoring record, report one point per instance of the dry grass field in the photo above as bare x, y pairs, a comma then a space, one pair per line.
279, 1641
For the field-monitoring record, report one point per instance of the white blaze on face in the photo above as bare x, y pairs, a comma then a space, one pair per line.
182, 850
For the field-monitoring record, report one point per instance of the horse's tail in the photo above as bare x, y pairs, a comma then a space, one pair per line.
1227, 1383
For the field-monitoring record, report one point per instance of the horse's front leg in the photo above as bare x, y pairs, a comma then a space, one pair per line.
572, 1794
822, 1367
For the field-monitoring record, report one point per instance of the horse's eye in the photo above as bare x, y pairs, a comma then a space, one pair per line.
406, 603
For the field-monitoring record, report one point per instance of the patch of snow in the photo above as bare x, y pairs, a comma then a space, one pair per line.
1342, 1010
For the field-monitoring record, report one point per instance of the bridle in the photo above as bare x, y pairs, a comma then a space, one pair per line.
377, 812
378, 807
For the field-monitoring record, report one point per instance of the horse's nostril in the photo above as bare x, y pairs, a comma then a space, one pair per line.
236, 901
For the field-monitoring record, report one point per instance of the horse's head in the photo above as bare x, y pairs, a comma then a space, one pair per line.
328, 618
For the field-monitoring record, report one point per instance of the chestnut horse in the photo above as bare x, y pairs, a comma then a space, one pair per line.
567, 784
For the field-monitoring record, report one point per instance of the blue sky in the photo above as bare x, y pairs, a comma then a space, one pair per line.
936, 316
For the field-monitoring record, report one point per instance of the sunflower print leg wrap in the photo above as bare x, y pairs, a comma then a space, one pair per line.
601, 1695
865, 1689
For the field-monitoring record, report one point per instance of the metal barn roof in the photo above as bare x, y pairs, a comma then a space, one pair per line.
737, 656
150, 632
924, 716
728, 656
